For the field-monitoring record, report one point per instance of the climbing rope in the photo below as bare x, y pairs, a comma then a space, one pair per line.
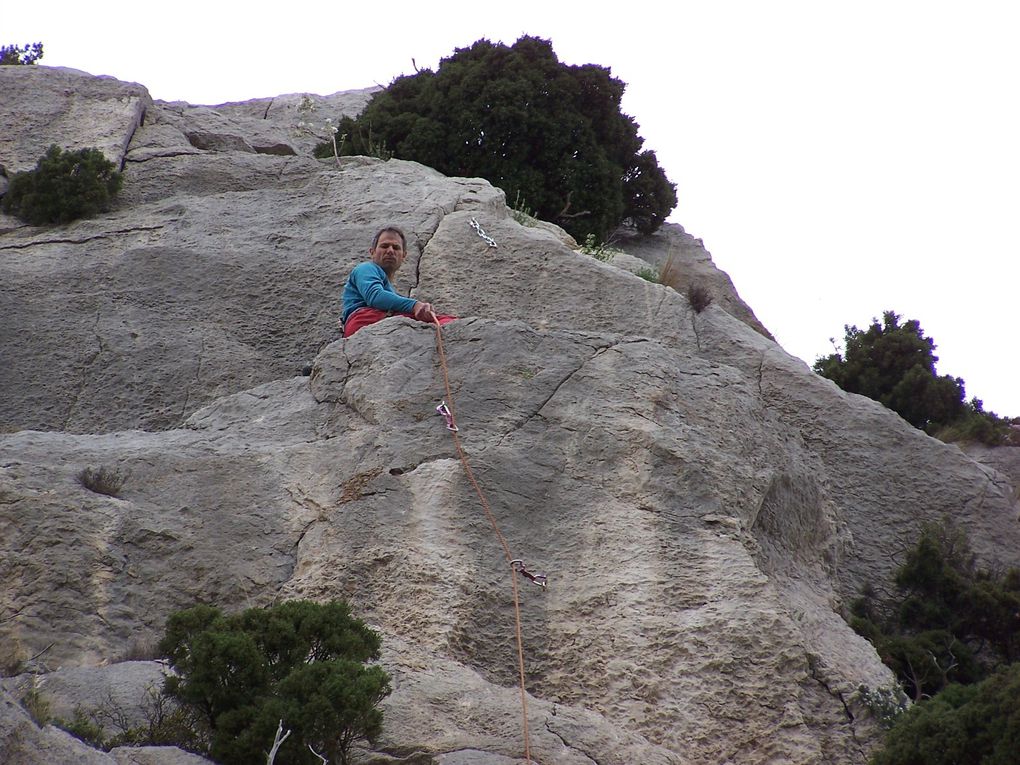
516, 565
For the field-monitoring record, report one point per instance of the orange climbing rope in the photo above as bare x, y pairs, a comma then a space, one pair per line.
516, 566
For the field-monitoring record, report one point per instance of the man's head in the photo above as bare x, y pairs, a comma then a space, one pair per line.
389, 248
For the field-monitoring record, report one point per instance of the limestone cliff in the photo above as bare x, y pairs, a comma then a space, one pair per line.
702, 502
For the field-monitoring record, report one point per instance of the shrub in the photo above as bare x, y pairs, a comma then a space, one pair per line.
599, 250
522, 120
698, 297
894, 364
885, 704
523, 214
65, 186
102, 480
963, 725
949, 621
299, 661
975, 424
37, 706
21, 54
649, 275
84, 727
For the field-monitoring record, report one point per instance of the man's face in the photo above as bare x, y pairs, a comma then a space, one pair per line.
388, 253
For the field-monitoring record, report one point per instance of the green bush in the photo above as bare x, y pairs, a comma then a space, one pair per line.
894, 364
963, 725
20, 54
84, 727
65, 186
599, 250
648, 274
948, 622
299, 661
527, 123
975, 424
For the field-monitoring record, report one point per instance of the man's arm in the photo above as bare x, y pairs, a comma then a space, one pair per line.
370, 284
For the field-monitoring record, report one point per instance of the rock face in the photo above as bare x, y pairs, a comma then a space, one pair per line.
702, 502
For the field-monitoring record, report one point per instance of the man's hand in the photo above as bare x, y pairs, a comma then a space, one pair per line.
423, 312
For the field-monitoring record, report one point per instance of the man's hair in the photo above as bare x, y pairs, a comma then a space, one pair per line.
390, 230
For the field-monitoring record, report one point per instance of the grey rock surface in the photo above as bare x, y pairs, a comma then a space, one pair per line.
41, 105
1003, 459
703, 504
121, 691
686, 263
23, 742
294, 123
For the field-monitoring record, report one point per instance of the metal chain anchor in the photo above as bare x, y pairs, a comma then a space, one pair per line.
481, 232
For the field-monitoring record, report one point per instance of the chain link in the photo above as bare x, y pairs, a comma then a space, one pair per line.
481, 232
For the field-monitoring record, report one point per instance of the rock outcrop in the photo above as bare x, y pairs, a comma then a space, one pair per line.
703, 503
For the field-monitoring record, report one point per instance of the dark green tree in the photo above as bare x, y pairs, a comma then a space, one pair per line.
65, 186
551, 133
949, 621
894, 364
963, 725
299, 661
20, 54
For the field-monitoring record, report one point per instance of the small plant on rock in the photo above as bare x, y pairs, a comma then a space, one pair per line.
698, 297
523, 214
65, 186
329, 135
649, 275
83, 726
599, 250
102, 480
37, 706
885, 704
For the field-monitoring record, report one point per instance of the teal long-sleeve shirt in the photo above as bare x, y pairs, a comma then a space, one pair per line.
368, 286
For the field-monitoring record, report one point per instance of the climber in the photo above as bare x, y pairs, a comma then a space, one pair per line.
369, 295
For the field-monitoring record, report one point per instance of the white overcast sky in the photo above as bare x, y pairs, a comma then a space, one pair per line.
838, 159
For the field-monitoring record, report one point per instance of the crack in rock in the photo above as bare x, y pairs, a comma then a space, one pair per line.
85, 372
86, 240
568, 745
161, 155
423, 248
560, 384
198, 380
761, 375
812, 662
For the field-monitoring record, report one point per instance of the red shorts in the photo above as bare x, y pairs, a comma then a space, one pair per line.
365, 316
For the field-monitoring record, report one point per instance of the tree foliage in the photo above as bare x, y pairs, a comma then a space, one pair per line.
548, 132
65, 186
949, 622
299, 661
20, 54
894, 364
963, 725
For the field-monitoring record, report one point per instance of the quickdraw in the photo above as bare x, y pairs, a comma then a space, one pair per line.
444, 410
481, 232
540, 579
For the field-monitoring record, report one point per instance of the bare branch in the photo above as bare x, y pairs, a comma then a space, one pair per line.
277, 742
